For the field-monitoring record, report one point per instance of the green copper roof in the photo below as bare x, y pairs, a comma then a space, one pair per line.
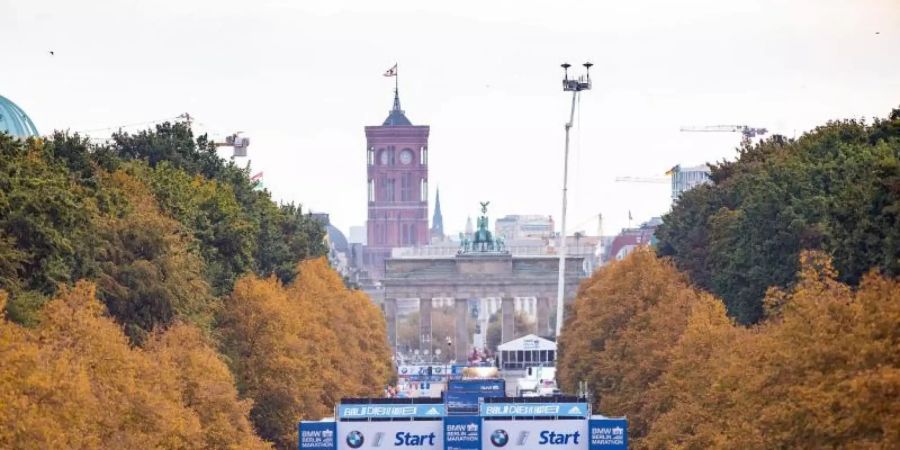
14, 121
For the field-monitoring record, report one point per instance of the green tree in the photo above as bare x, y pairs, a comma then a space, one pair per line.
148, 274
835, 189
45, 225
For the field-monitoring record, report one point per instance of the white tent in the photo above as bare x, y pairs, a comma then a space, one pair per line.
526, 351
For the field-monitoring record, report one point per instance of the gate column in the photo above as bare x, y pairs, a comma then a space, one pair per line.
507, 319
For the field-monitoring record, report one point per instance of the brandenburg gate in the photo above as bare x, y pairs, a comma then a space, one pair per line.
481, 268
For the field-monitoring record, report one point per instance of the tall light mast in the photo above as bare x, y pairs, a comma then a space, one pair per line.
583, 83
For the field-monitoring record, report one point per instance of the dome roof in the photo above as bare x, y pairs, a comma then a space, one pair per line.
337, 238
14, 121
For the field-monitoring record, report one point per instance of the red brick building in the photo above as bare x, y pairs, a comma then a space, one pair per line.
397, 162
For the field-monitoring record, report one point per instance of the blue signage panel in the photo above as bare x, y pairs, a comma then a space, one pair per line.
534, 409
462, 433
608, 434
486, 386
391, 411
317, 436
463, 402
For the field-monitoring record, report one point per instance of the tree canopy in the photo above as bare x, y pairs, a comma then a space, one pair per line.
152, 297
160, 221
821, 371
834, 189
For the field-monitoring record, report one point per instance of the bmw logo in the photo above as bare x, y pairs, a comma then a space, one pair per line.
355, 439
499, 438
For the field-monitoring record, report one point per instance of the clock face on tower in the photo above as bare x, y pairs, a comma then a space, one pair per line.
406, 157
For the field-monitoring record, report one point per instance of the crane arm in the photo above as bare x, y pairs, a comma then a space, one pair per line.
747, 131
641, 180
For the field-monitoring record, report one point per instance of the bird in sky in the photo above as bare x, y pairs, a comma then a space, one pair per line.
51, 52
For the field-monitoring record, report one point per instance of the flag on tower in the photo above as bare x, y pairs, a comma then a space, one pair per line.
257, 177
629, 214
392, 72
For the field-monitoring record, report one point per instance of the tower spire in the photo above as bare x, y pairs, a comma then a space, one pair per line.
396, 107
437, 222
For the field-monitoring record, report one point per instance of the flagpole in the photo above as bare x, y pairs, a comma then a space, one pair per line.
396, 79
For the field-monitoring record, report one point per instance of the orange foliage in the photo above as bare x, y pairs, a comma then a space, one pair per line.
620, 330
296, 350
74, 382
822, 371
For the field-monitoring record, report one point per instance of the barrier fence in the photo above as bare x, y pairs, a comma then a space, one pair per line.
495, 424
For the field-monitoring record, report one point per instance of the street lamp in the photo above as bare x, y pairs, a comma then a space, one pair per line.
582, 83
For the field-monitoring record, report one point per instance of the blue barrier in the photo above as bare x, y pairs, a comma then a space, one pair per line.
534, 410
391, 411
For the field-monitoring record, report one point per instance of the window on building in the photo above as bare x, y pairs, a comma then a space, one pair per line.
389, 190
406, 187
371, 190
423, 155
423, 190
371, 156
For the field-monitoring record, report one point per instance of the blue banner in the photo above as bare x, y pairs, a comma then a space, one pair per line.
534, 410
462, 433
486, 386
391, 411
431, 379
608, 434
317, 436
463, 402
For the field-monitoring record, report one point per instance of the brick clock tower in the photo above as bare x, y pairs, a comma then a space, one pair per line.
397, 161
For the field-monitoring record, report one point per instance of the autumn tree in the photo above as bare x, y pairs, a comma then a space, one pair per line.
688, 405
297, 350
619, 333
823, 371
74, 382
359, 358
275, 346
206, 386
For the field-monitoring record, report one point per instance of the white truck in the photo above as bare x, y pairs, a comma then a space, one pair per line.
537, 382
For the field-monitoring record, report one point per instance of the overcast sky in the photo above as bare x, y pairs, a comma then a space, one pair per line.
302, 78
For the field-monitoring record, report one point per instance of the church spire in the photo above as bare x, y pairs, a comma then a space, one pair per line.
437, 222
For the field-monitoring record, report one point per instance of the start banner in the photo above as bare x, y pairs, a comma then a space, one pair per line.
422, 434
534, 434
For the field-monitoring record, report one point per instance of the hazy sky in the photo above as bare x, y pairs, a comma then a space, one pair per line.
301, 79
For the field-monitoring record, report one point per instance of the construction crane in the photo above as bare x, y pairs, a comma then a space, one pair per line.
642, 180
237, 142
747, 132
